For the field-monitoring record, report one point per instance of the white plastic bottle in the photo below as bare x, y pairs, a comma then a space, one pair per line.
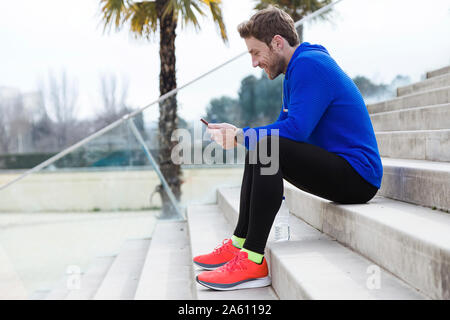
282, 232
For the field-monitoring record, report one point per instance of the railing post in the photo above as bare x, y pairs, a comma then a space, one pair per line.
155, 166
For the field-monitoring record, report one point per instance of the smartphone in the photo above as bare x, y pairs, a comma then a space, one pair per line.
204, 121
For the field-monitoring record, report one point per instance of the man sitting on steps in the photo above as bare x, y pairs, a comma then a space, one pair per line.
324, 145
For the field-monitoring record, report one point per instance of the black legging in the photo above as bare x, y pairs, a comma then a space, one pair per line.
309, 168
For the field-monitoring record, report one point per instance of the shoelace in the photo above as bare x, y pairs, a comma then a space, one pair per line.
220, 247
236, 263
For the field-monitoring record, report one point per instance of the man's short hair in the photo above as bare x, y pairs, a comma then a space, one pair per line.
267, 23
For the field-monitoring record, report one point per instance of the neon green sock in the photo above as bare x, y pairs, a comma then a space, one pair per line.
254, 256
237, 242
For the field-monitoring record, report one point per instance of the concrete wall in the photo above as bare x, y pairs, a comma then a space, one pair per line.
107, 190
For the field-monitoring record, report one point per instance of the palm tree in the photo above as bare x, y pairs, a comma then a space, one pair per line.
298, 9
145, 19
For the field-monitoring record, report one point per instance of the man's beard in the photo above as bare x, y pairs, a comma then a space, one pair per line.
275, 68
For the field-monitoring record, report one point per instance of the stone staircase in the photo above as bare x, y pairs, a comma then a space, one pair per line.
397, 246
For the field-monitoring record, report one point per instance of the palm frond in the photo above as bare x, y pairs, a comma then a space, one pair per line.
184, 10
112, 13
144, 15
196, 6
216, 11
143, 18
262, 4
188, 15
297, 9
171, 8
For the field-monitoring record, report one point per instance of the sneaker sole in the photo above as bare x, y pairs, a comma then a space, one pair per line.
209, 266
245, 284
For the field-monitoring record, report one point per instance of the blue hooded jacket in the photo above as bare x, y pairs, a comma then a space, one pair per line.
323, 106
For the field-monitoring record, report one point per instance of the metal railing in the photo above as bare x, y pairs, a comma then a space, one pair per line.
129, 117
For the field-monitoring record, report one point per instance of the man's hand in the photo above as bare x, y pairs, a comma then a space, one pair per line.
223, 134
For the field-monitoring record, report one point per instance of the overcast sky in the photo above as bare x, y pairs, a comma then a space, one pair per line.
375, 38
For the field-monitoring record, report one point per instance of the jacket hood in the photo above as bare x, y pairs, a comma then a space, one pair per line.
306, 46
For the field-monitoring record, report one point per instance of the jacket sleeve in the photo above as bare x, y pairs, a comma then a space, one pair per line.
311, 94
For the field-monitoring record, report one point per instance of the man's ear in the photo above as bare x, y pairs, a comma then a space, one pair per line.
278, 42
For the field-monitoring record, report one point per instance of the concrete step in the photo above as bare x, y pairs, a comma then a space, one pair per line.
421, 182
207, 229
92, 279
438, 72
122, 278
11, 285
60, 290
422, 118
421, 99
431, 145
167, 271
312, 265
39, 294
428, 84
410, 241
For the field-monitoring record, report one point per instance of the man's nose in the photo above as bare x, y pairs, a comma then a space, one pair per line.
255, 63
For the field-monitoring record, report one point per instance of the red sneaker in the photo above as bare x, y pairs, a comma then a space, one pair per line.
239, 273
223, 253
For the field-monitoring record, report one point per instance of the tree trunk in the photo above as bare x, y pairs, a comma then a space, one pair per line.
300, 33
168, 120
296, 17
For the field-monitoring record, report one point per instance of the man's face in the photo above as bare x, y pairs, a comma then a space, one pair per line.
265, 57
